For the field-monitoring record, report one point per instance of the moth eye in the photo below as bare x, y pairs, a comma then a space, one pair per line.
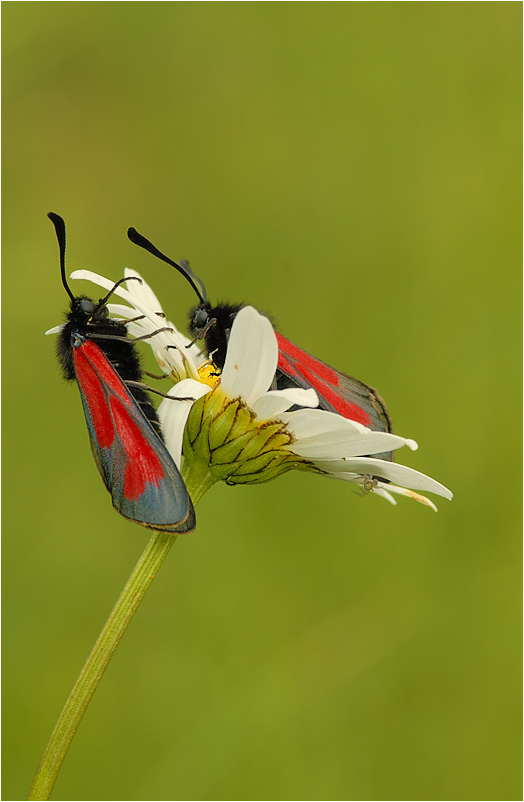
86, 305
200, 318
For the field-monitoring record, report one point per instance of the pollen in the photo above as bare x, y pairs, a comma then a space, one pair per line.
208, 373
418, 497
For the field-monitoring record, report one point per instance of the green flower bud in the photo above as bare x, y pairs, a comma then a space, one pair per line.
225, 437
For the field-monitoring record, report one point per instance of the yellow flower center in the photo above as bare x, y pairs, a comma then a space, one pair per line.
208, 373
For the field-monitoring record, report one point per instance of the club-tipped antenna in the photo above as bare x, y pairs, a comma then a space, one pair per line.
59, 225
182, 266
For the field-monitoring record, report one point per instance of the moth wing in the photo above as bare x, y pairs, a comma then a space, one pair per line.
136, 467
337, 392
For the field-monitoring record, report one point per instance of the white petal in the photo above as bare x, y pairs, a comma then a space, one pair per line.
402, 491
274, 402
380, 491
193, 352
310, 422
173, 413
146, 325
153, 321
119, 310
107, 284
335, 445
400, 474
252, 356
138, 328
141, 291
100, 281
196, 354
54, 330
173, 358
324, 435
169, 347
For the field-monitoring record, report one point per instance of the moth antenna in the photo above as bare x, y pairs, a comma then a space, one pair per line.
103, 301
59, 225
182, 266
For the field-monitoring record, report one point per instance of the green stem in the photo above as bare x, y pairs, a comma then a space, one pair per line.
152, 558
197, 481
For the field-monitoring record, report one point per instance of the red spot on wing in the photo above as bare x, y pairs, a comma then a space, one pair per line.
143, 466
93, 390
311, 372
105, 370
302, 360
109, 404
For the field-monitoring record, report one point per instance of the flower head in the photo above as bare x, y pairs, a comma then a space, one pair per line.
233, 426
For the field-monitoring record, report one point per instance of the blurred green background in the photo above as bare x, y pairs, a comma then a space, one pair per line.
353, 168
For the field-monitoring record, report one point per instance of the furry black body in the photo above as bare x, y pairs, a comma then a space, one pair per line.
213, 325
88, 320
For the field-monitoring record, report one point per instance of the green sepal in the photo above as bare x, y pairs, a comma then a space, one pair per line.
260, 463
243, 422
194, 420
201, 442
223, 472
274, 468
231, 450
222, 425
262, 441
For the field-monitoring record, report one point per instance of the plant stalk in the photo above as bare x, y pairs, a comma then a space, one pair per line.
137, 585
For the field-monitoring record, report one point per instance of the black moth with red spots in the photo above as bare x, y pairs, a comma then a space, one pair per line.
123, 427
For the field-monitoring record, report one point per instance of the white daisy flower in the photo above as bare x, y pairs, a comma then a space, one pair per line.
233, 426
241, 429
